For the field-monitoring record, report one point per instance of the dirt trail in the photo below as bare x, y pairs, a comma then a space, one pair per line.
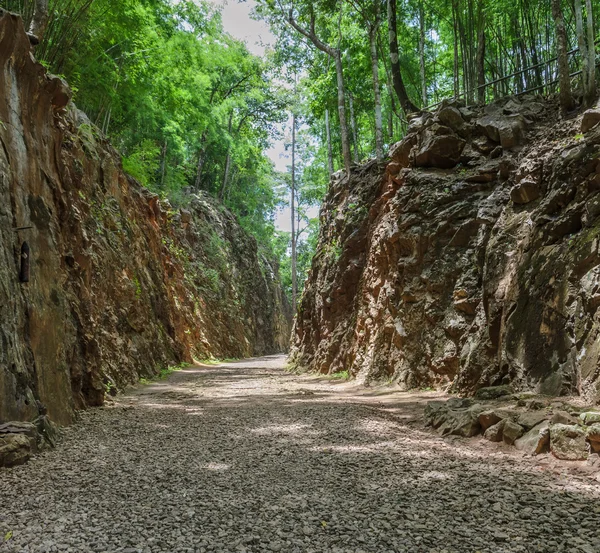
246, 457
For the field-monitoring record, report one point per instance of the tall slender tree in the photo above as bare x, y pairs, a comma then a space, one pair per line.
567, 102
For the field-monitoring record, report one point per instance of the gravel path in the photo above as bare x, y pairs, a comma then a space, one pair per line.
245, 457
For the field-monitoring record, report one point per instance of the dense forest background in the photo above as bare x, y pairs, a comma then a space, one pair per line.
190, 107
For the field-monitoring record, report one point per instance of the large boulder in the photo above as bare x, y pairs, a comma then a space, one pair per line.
590, 119
531, 419
494, 432
593, 436
526, 191
508, 130
15, 449
568, 442
536, 441
511, 432
590, 417
439, 147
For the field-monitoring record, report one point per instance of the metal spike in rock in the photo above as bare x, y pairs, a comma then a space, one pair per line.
24, 272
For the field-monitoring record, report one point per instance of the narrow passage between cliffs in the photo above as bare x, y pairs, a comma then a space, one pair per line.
245, 457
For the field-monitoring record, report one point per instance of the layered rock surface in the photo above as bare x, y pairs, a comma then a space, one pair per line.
470, 260
121, 284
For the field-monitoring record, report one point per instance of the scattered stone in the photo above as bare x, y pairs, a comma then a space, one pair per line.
568, 442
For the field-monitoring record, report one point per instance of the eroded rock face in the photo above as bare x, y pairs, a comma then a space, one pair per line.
121, 284
474, 272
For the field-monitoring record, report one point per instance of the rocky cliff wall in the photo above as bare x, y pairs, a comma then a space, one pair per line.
121, 284
470, 260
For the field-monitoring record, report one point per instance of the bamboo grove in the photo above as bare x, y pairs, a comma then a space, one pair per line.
192, 109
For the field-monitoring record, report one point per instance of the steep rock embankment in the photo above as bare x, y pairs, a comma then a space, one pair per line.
121, 284
471, 259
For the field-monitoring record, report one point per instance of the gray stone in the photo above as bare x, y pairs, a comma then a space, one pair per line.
494, 432
511, 432
508, 130
568, 442
590, 417
530, 419
536, 441
562, 417
492, 392
593, 437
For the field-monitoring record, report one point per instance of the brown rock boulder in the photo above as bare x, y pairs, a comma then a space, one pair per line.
590, 119
439, 150
524, 192
508, 130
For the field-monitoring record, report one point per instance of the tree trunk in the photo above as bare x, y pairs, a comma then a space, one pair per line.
376, 93
346, 155
583, 50
354, 129
329, 146
566, 98
590, 95
227, 161
481, 55
455, 29
201, 158
336, 54
293, 216
163, 163
422, 54
40, 19
399, 87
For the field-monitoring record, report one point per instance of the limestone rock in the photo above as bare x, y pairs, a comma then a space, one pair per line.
536, 441
511, 432
568, 442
